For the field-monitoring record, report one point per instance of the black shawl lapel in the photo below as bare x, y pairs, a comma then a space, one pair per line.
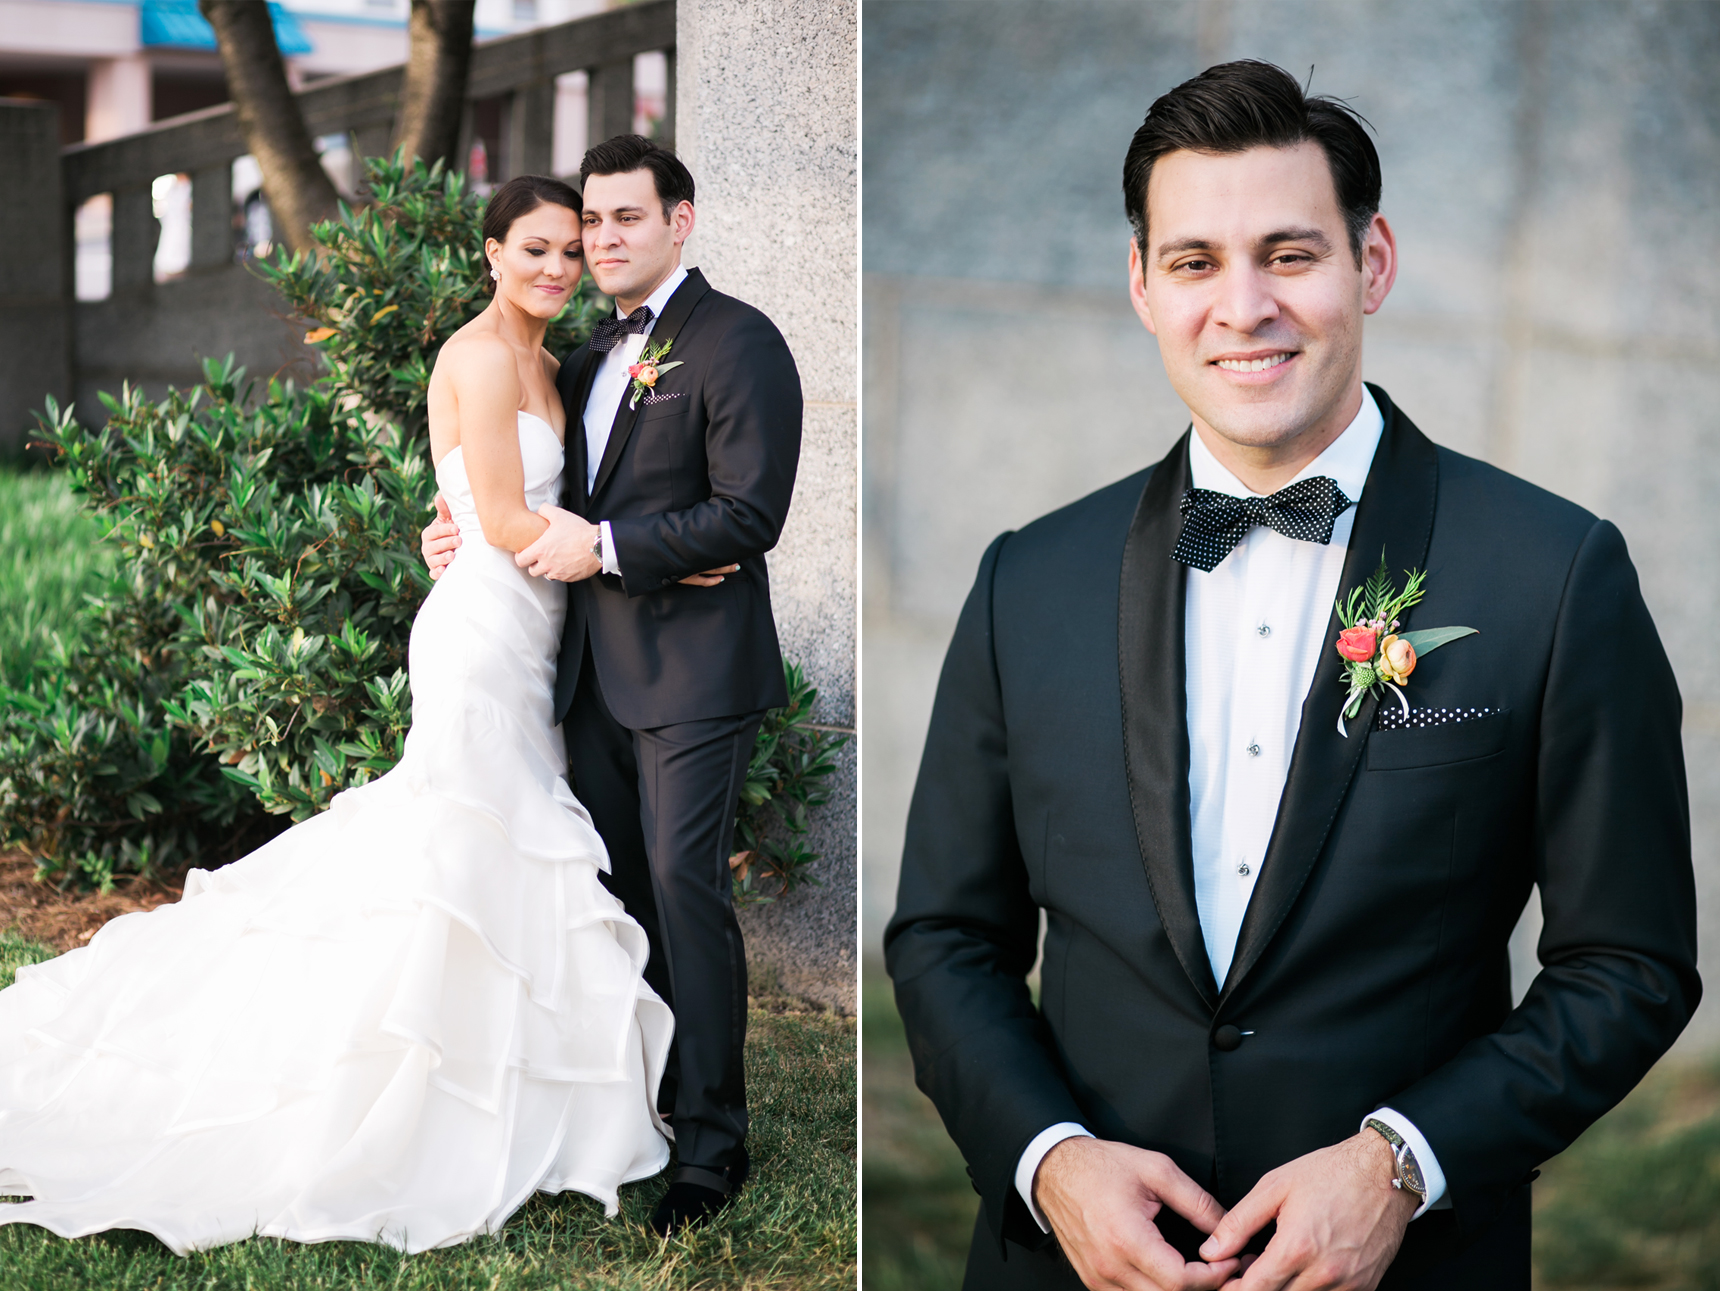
1155, 710
675, 313
1395, 514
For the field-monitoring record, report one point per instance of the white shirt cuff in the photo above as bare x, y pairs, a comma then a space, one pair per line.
1028, 1166
613, 566
1431, 1174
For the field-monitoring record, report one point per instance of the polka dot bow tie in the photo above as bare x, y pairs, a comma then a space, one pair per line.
1213, 523
607, 334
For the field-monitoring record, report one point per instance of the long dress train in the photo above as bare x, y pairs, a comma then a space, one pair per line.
391, 1023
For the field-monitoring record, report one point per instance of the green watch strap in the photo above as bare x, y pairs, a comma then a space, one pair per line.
1409, 1176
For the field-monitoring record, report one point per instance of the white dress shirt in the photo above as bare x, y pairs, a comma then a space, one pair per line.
1254, 631
608, 388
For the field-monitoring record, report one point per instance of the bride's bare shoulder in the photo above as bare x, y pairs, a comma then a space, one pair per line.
474, 353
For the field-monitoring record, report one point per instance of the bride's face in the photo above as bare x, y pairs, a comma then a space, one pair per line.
540, 261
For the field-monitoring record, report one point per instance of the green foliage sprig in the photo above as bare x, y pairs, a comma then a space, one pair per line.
1378, 601
792, 760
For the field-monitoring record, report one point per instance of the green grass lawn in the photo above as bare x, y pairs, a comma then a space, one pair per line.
1634, 1203
15, 952
920, 1207
50, 555
792, 1227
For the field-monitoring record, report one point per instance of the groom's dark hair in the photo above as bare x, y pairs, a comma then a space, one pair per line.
1250, 104
629, 152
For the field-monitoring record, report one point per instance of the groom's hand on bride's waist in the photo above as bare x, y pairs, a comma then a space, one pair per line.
1102, 1198
439, 539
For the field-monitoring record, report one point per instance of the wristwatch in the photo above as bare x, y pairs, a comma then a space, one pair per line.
597, 546
1408, 1172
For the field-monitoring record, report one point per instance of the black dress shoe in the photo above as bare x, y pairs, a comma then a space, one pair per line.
695, 1195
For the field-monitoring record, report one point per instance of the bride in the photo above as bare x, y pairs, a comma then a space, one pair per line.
398, 1019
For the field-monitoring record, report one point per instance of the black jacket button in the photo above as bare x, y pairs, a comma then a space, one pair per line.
1227, 1038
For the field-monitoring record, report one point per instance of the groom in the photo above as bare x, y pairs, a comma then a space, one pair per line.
1274, 1045
672, 495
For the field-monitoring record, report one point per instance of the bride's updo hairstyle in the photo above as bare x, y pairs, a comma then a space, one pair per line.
522, 195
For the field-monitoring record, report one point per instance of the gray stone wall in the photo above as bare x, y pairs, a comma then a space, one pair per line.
765, 117
1552, 172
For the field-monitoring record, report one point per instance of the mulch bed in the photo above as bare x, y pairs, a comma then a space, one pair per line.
65, 920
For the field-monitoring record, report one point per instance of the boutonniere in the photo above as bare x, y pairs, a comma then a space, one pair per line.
1376, 657
649, 368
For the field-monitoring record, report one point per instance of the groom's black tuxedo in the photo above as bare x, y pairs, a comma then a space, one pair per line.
1371, 967
661, 686
698, 478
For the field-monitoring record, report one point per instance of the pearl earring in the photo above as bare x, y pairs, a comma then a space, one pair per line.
496, 273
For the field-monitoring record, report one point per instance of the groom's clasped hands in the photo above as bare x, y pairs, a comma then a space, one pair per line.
561, 553
1339, 1221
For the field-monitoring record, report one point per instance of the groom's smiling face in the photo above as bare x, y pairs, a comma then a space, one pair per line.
1250, 284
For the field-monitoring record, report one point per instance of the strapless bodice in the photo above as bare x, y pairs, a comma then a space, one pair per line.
540, 455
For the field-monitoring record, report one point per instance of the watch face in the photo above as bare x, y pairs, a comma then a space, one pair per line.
1412, 1173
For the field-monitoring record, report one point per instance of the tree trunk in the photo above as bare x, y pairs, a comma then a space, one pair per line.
295, 185
433, 99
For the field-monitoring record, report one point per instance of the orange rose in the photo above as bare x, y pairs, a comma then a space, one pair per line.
1397, 659
647, 374
1357, 643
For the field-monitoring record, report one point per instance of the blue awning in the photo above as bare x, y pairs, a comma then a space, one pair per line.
178, 23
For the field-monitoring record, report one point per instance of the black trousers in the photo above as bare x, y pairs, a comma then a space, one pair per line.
664, 802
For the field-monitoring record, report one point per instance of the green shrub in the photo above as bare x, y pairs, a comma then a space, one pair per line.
251, 656
792, 759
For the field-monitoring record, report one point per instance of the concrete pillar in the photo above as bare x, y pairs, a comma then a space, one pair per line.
531, 131
136, 234
118, 99
666, 135
35, 277
610, 100
768, 127
212, 216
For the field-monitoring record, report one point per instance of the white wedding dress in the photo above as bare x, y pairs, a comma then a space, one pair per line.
392, 1023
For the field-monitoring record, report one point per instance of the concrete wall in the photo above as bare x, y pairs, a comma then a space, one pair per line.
765, 117
35, 341
1553, 174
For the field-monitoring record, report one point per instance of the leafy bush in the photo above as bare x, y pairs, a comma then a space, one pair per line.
251, 657
792, 759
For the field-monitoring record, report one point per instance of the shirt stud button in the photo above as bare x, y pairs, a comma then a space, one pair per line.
1265, 629
1243, 869
1253, 750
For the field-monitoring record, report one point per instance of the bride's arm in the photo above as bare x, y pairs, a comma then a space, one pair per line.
486, 388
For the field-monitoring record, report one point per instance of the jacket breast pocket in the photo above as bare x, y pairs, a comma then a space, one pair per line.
1438, 745
665, 413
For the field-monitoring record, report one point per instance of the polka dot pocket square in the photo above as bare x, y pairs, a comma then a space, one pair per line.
1435, 736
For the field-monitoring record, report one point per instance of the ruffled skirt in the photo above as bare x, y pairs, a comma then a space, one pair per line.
393, 1023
